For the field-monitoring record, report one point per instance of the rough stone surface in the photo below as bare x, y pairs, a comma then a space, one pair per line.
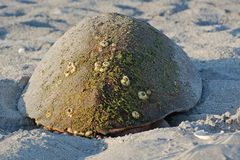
110, 72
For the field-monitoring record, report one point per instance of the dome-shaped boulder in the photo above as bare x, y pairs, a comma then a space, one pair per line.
108, 73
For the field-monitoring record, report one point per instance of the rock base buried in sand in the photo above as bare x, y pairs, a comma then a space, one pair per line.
110, 73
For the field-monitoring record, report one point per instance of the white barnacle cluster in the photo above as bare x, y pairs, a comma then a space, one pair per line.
71, 68
98, 67
105, 64
125, 81
78, 133
104, 43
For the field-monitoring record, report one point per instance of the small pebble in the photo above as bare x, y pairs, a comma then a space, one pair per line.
44, 134
21, 50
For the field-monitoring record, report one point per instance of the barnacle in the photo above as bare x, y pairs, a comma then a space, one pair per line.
48, 114
97, 66
69, 112
71, 68
104, 43
135, 115
67, 73
125, 81
69, 130
103, 69
113, 47
149, 92
75, 133
142, 95
105, 64
88, 133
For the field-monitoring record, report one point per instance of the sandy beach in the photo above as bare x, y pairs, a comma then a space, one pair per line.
207, 30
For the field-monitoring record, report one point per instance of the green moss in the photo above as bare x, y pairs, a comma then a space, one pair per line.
117, 102
158, 43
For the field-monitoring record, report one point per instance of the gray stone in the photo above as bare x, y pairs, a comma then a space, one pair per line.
108, 74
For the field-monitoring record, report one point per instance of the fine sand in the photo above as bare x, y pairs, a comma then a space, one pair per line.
207, 30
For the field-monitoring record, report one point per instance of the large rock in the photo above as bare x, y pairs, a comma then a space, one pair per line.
107, 73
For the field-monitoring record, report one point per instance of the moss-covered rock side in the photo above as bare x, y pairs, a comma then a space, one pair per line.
108, 72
